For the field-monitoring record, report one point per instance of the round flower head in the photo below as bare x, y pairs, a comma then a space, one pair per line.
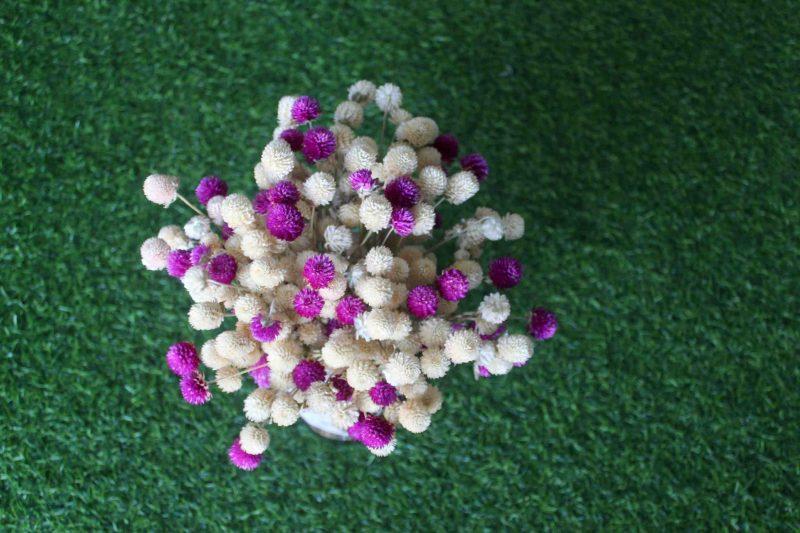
277, 161
241, 459
453, 285
161, 189
155, 253
423, 301
194, 389
349, 308
285, 222
222, 269
513, 226
402, 369
413, 416
418, 131
343, 389
206, 316
308, 303
432, 181
461, 187
261, 202
254, 439
494, 308
338, 239
214, 209
293, 137
178, 262
237, 210
543, 323
305, 109
318, 143
226, 231
307, 372
402, 192
476, 164
283, 192
264, 330
319, 188
362, 91
383, 394
260, 373
388, 97
209, 187
362, 181
505, 272
447, 144
402, 221
349, 113
182, 358
319, 271
375, 213
400, 160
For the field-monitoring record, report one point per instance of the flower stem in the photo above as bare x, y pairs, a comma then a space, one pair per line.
388, 233
245, 371
192, 207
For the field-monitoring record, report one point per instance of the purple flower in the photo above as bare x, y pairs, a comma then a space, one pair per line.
483, 372
422, 301
476, 164
453, 284
285, 222
437, 220
242, 459
402, 192
264, 331
178, 262
319, 271
447, 144
349, 308
307, 372
318, 143
362, 180
305, 109
343, 389
372, 431
182, 358
402, 221
261, 375
222, 268
308, 303
543, 324
495, 334
383, 394
199, 254
505, 272
331, 326
283, 192
226, 231
261, 202
194, 389
209, 187
294, 137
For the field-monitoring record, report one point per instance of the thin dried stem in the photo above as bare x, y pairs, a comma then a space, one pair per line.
256, 367
187, 202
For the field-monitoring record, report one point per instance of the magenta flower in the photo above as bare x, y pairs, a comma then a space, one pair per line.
285, 222
261, 202
495, 334
242, 459
264, 330
194, 389
343, 389
226, 231
209, 187
402, 221
319, 271
372, 431
422, 301
222, 268
331, 326
453, 284
178, 262
349, 308
318, 143
260, 373
294, 137
283, 192
483, 372
383, 393
447, 145
505, 272
182, 358
543, 323
476, 164
402, 192
308, 303
362, 180
307, 372
199, 254
305, 109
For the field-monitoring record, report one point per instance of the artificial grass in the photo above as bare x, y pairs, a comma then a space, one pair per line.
653, 150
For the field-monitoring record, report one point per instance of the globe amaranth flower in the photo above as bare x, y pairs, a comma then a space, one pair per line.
349, 308
505, 272
199, 254
226, 231
307, 372
476, 164
447, 145
182, 358
260, 373
453, 284
264, 330
194, 389
362, 180
542, 324
495, 334
241, 459
178, 262
318, 143
383, 394
293, 137
308, 303
402, 221
283, 192
209, 187
285, 222
372, 431
222, 268
343, 389
261, 202
305, 109
422, 301
402, 192
319, 271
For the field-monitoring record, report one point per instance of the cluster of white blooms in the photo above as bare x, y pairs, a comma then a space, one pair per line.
330, 283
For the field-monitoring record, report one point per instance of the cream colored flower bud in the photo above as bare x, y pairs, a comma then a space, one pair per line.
415, 389
285, 105
197, 227
399, 271
338, 239
214, 210
424, 219
206, 316
461, 186
400, 160
513, 226
311, 333
384, 324
398, 116
267, 272
253, 439
399, 295
228, 379
349, 113
495, 308
320, 398
375, 213
277, 160
258, 404
388, 97
492, 228
247, 306
155, 252
421, 272
344, 138
379, 260
260, 176
433, 332
363, 375
319, 188
284, 355
359, 156
432, 182
462, 346
343, 415
210, 357
515, 348
175, 237
413, 416
340, 349
335, 289
348, 215
471, 269
432, 400
237, 211
284, 410
434, 363
429, 157
362, 91
401, 369
161, 189
418, 131
233, 345
375, 291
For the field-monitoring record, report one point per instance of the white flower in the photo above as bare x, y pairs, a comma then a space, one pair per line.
277, 161
513, 226
419, 131
319, 188
154, 253
388, 97
338, 239
461, 187
492, 228
161, 189
495, 308
362, 91
349, 113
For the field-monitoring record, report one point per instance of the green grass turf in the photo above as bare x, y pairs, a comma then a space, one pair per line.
653, 150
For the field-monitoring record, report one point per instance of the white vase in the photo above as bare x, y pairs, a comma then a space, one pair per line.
323, 425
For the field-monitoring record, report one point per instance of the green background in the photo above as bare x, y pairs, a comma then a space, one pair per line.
653, 150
